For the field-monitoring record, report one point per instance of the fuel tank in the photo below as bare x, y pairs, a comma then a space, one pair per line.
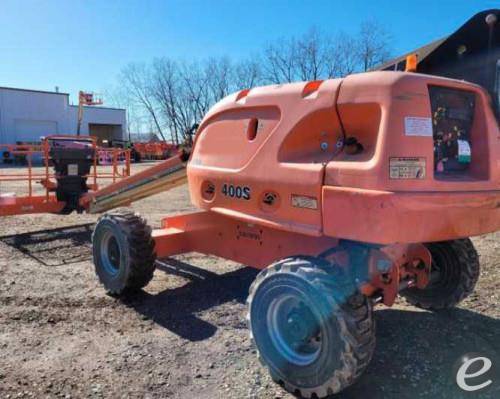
378, 157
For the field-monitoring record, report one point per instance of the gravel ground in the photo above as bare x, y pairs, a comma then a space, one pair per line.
185, 334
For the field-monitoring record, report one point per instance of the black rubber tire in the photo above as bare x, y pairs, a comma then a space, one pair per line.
134, 262
344, 318
458, 263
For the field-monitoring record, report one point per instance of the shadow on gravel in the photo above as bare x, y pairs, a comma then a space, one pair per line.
175, 309
418, 355
55, 247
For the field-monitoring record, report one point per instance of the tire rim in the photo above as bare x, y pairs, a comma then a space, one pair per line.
110, 253
294, 330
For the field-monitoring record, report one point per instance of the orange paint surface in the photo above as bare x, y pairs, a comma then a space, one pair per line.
296, 152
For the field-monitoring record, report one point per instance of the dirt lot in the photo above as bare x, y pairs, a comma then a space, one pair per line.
185, 336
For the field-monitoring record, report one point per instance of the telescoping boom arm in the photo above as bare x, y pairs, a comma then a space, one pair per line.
165, 176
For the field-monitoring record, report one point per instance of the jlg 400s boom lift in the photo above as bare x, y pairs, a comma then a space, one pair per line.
345, 193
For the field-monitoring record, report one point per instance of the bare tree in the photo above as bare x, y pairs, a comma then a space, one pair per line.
137, 80
185, 91
195, 93
310, 56
218, 74
315, 56
341, 57
280, 61
173, 96
247, 73
195, 81
165, 86
372, 44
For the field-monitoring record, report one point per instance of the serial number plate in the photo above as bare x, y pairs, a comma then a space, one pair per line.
407, 168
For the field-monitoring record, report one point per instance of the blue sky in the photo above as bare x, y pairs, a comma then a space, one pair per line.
83, 44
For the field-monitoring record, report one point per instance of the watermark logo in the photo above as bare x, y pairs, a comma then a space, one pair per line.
476, 373
473, 367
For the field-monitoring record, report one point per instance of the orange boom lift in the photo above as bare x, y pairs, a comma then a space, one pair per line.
70, 177
69, 174
345, 192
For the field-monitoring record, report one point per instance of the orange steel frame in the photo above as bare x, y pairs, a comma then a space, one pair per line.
258, 246
47, 202
226, 237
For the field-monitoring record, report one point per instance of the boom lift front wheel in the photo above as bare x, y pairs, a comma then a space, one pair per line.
312, 329
123, 251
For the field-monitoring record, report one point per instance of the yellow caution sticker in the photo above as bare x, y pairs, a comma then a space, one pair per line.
407, 168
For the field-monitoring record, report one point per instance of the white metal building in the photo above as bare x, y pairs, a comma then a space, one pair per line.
27, 115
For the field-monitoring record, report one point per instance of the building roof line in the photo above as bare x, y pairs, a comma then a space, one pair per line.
428, 49
98, 107
33, 91
59, 93
421, 52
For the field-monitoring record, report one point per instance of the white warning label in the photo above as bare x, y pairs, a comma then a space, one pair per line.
302, 201
418, 126
407, 168
73, 169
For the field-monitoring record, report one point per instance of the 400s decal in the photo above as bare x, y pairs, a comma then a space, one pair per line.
240, 192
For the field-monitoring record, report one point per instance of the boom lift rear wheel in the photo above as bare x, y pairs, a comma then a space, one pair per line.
455, 271
313, 331
123, 251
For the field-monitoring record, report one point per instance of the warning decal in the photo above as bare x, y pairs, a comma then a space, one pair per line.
303, 201
407, 168
73, 169
418, 126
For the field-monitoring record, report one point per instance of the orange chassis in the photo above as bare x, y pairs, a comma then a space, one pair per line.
390, 268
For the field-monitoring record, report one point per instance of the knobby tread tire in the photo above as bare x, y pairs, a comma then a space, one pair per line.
466, 261
141, 251
353, 312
